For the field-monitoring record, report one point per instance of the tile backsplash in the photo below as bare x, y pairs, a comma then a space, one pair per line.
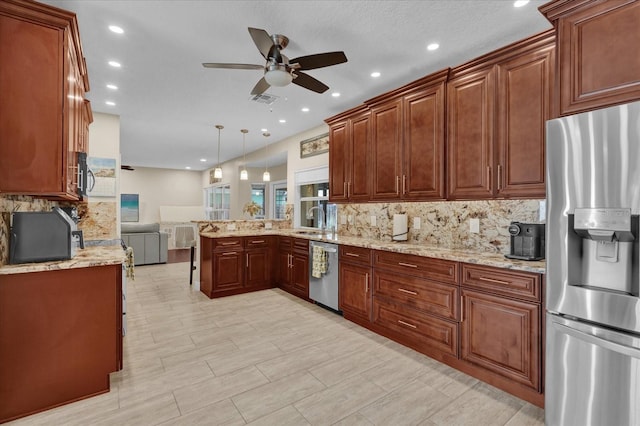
445, 223
97, 220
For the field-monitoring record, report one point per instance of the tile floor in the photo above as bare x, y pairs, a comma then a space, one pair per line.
268, 358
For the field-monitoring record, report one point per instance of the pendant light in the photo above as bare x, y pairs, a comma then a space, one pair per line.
217, 172
244, 175
266, 176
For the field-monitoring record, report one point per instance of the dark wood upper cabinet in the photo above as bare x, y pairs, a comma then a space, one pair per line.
407, 139
598, 63
349, 156
497, 106
43, 115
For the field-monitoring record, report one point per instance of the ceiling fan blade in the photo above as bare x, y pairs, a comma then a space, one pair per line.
233, 66
262, 39
308, 82
319, 60
260, 87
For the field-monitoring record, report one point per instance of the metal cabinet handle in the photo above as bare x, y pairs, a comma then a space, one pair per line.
366, 283
397, 184
413, 293
344, 189
348, 189
352, 254
408, 265
499, 176
407, 324
256, 242
229, 244
489, 177
247, 260
229, 253
404, 184
491, 280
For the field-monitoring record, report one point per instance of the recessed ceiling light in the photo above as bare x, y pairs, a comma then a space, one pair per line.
203, 160
116, 29
282, 120
336, 94
112, 87
305, 109
188, 168
115, 64
110, 103
520, 3
264, 130
375, 74
433, 46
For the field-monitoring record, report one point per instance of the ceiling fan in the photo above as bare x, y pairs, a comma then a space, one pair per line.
280, 70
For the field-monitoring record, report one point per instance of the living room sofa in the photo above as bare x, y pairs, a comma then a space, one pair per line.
149, 244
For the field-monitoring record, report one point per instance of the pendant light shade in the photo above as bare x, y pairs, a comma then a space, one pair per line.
266, 176
244, 175
217, 172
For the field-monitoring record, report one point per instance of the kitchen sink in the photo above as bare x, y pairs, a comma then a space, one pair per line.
318, 233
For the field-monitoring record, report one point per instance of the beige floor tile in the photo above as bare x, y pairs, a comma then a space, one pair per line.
347, 366
407, 405
287, 416
227, 362
395, 372
355, 419
480, 405
273, 396
222, 413
216, 389
292, 362
339, 401
529, 415
197, 354
447, 380
154, 410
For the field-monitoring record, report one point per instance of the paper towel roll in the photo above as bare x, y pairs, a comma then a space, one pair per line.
400, 228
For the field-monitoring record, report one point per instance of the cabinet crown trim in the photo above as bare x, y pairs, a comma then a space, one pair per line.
347, 114
430, 80
557, 9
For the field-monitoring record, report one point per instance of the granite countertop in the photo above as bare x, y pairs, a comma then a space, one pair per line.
94, 255
458, 255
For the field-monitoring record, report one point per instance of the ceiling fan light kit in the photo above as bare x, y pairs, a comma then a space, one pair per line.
279, 70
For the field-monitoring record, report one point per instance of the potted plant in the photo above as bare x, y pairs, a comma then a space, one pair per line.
252, 208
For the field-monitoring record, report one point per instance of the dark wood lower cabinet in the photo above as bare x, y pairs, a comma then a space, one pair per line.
355, 291
228, 268
502, 335
60, 337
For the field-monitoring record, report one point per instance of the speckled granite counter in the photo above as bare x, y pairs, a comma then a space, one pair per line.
84, 258
477, 257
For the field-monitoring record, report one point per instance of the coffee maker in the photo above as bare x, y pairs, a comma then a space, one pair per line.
527, 241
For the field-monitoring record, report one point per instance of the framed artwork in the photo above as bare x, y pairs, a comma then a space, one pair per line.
129, 208
104, 172
314, 146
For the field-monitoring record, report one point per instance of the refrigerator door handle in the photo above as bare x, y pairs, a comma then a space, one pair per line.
605, 339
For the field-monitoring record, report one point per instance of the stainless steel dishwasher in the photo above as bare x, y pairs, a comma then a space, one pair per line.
324, 290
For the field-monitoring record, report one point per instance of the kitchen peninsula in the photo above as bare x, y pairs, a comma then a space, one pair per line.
475, 311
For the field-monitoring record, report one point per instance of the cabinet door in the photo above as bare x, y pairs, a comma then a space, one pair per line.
339, 160
502, 336
423, 144
355, 290
284, 268
599, 63
257, 268
228, 268
300, 274
386, 141
31, 84
470, 110
358, 187
524, 105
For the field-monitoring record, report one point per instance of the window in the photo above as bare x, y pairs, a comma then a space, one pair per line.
312, 190
257, 196
279, 191
217, 203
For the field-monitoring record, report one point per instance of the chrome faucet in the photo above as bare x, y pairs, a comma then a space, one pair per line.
322, 216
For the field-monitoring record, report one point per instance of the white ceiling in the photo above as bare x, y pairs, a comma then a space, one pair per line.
168, 102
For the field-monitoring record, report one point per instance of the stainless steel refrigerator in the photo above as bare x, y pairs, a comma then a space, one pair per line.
592, 285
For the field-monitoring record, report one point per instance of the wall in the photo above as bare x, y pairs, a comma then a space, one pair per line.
161, 187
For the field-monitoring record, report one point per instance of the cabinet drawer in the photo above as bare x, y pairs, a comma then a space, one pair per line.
284, 243
355, 255
256, 242
424, 331
418, 293
523, 285
426, 267
227, 243
301, 245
